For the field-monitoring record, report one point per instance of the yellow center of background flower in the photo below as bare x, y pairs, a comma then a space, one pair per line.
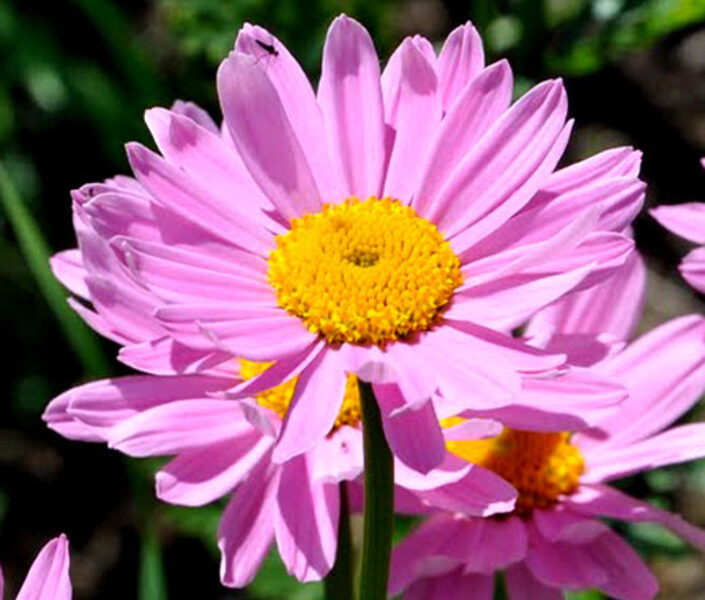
541, 466
278, 398
364, 272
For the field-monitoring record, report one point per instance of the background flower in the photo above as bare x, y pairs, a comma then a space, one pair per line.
553, 542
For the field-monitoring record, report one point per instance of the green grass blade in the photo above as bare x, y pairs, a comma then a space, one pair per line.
36, 253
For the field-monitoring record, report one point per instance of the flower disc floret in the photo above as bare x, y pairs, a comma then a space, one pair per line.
279, 397
541, 466
364, 272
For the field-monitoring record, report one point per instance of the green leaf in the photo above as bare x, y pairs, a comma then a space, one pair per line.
585, 595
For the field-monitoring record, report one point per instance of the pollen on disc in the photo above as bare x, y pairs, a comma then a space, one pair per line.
541, 466
364, 272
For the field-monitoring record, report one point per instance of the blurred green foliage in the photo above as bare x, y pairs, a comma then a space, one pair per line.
207, 29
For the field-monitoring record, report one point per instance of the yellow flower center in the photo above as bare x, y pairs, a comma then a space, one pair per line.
278, 398
541, 466
364, 272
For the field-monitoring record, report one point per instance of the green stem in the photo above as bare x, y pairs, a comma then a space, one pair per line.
339, 582
379, 501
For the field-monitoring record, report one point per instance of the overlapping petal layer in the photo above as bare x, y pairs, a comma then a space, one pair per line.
175, 266
568, 547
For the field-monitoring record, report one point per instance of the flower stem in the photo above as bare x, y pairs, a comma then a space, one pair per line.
338, 583
379, 501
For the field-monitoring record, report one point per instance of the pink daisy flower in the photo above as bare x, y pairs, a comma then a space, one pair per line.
688, 221
376, 228
554, 540
224, 448
48, 578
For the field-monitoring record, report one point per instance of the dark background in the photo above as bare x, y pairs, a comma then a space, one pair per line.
75, 77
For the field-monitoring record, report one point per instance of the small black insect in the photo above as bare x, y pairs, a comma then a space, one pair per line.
268, 48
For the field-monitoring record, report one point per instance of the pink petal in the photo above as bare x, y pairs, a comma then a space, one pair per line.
479, 493
48, 578
522, 585
484, 372
509, 302
412, 558
693, 269
407, 364
68, 268
350, 97
628, 578
139, 216
664, 372
299, 103
459, 62
200, 476
616, 162
306, 522
499, 262
182, 276
487, 545
520, 355
114, 213
564, 564
613, 307
177, 191
195, 113
608, 199
247, 528
451, 470
283, 370
454, 586
103, 404
269, 147
338, 457
469, 380
560, 525
416, 118
676, 445
254, 331
506, 167
413, 433
472, 429
97, 323
580, 349
57, 418
606, 252
125, 307
166, 356
179, 426
479, 106
567, 402
608, 502
314, 407
685, 220
205, 157
618, 200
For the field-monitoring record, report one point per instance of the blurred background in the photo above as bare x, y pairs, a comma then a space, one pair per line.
75, 77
